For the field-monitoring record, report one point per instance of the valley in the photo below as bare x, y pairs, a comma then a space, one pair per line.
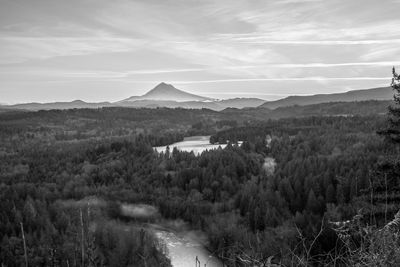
286, 174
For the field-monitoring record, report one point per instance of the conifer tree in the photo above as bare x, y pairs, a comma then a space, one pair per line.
387, 174
392, 132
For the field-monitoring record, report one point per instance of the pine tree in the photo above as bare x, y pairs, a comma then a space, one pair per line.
392, 132
386, 176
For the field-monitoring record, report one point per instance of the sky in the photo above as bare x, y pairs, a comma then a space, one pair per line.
101, 50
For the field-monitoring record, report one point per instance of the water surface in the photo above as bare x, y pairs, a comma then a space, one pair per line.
183, 244
197, 144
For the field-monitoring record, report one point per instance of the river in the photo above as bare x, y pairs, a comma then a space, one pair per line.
182, 243
197, 144
185, 246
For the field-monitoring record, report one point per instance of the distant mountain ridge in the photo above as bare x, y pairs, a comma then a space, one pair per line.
166, 95
163, 95
382, 93
59, 105
343, 109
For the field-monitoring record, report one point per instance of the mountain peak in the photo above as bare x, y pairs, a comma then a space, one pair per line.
167, 92
163, 86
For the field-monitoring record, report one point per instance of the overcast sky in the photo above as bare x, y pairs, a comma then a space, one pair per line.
102, 50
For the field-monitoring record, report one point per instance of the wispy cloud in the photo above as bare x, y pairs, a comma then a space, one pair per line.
316, 42
287, 79
20, 48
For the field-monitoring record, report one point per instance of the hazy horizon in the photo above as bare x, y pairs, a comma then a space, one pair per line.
99, 51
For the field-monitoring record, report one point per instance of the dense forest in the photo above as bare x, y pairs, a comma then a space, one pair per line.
275, 198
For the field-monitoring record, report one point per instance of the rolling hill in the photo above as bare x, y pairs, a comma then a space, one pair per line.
343, 109
382, 93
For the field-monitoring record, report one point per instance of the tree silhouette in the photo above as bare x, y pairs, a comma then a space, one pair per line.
392, 132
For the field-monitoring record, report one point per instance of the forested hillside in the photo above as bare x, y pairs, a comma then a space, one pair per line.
267, 199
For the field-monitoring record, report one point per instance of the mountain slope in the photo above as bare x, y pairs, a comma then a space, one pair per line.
167, 92
382, 93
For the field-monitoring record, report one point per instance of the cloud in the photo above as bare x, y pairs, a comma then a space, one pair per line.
318, 44
285, 2
322, 79
259, 40
382, 52
329, 65
19, 49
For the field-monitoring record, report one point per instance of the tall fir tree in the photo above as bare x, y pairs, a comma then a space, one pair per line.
386, 178
392, 132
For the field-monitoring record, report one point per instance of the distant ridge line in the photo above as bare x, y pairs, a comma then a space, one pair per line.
166, 95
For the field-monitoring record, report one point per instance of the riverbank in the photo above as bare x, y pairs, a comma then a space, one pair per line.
183, 244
